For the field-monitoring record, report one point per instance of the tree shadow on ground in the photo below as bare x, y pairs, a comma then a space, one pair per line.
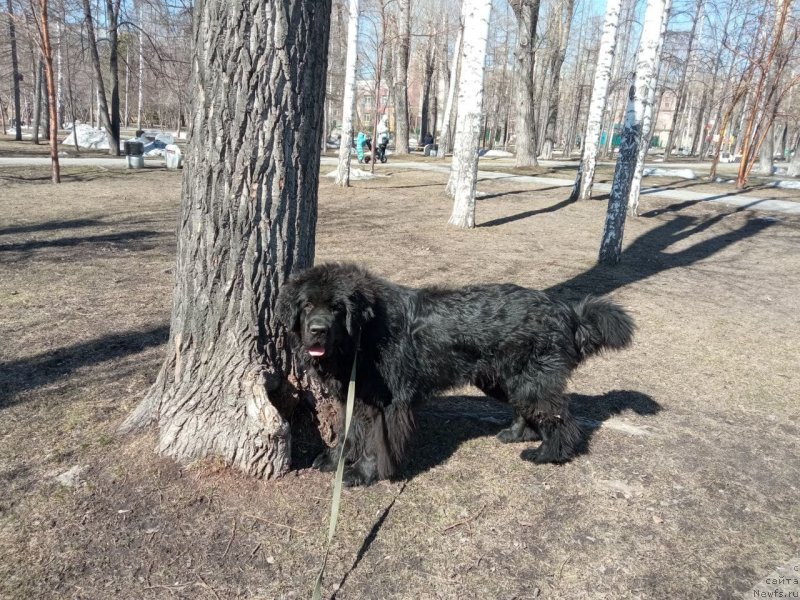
43, 369
50, 226
447, 422
647, 255
526, 214
116, 239
514, 192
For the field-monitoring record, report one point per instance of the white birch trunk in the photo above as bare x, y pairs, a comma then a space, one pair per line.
464, 170
611, 244
444, 139
349, 98
647, 119
597, 104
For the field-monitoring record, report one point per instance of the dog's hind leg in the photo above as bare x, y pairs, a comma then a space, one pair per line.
541, 403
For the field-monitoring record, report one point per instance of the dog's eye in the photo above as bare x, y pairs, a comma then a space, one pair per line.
308, 307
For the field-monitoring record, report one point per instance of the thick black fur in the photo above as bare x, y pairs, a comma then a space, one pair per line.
515, 344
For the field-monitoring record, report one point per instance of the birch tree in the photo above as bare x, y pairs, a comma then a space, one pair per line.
597, 104
349, 102
247, 222
527, 14
647, 118
464, 169
611, 243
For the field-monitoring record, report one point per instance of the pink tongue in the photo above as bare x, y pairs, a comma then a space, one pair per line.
316, 351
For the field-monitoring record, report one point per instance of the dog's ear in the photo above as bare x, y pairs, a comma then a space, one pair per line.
288, 308
359, 310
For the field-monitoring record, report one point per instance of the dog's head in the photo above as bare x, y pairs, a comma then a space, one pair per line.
325, 307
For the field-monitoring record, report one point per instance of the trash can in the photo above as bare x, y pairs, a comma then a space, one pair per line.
173, 156
134, 152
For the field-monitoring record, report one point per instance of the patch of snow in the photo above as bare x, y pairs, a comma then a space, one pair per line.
495, 154
658, 172
723, 180
356, 173
71, 478
789, 184
88, 138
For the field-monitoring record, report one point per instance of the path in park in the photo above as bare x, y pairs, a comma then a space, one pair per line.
738, 200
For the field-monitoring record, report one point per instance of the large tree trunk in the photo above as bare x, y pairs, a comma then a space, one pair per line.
112, 130
597, 105
444, 138
248, 217
611, 244
527, 14
15, 74
464, 170
349, 102
402, 48
556, 62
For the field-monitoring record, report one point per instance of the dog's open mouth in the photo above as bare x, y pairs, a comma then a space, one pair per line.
317, 351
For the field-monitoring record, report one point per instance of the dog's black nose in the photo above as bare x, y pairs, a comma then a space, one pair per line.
317, 328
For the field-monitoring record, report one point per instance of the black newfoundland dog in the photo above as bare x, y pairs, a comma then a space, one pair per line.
515, 344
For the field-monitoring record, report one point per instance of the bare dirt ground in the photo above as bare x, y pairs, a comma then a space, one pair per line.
688, 486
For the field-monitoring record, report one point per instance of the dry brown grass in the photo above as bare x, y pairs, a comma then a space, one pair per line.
688, 489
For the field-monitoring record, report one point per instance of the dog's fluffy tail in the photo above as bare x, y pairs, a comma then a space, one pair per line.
602, 325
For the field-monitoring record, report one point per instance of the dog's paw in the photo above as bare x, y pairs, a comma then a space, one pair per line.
508, 436
516, 434
354, 477
325, 461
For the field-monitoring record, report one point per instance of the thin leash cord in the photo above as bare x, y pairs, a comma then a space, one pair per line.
337, 482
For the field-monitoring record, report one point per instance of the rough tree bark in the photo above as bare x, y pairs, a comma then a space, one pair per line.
611, 244
464, 169
15, 74
247, 221
527, 14
597, 104
444, 138
349, 101
402, 48
556, 62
